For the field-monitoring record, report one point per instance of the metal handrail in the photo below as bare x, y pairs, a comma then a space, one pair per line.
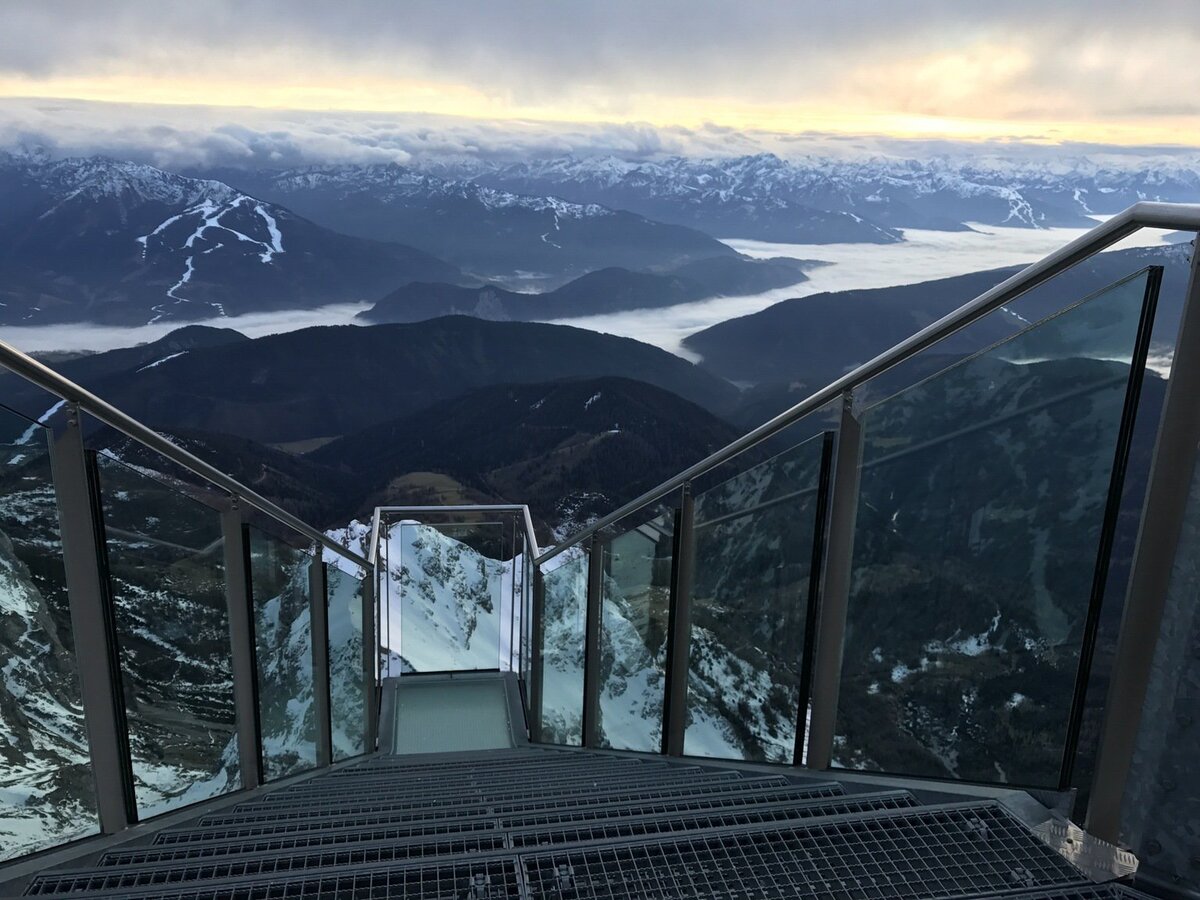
1169, 216
380, 511
46, 378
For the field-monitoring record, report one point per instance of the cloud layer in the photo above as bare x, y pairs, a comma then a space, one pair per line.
741, 62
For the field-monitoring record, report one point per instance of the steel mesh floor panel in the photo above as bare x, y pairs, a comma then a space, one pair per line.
462, 778
152, 875
925, 853
299, 826
680, 804
1080, 892
490, 879
666, 825
448, 841
363, 800
613, 795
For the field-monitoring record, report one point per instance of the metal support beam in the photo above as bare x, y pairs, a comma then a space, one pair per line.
319, 617
1166, 502
81, 528
591, 645
679, 625
537, 637
370, 657
241, 642
813, 612
835, 592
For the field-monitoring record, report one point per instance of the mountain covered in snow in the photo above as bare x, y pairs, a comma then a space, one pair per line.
813, 199
114, 242
496, 234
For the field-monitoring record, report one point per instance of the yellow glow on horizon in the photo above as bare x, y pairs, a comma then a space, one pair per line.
386, 96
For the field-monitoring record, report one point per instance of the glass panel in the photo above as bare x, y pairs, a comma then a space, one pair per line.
47, 793
982, 499
451, 583
633, 635
166, 568
754, 551
563, 623
280, 592
347, 688
1160, 818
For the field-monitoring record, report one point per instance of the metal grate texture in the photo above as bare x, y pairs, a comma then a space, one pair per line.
534, 823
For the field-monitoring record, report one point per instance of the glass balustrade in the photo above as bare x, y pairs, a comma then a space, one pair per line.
47, 790
167, 576
983, 499
347, 684
281, 596
564, 612
752, 590
635, 597
1160, 816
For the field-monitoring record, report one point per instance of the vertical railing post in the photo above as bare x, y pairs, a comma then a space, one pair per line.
241, 643
679, 625
835, 591
319, 633
813, 612
1167, 495
537, 637
369, 656
591, 644
81, 529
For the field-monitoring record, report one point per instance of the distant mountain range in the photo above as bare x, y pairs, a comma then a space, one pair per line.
825, 200
119, 243
602, 291
497, 235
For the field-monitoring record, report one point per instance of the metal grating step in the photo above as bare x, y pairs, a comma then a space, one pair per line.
967, 850
503, 803
147, 875
379, 796
469, 776
1082, 892
224, 832
652, 826
493, 879
791, 794
179, 850
296, 825
634, 795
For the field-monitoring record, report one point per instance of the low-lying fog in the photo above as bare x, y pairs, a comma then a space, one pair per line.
925, 255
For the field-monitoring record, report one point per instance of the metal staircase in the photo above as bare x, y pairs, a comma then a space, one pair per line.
535, 822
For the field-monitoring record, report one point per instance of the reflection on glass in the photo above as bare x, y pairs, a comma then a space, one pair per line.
633, 635
450, 580
982, 498
47, 794
563, 623
1160, 816
750, 604
166, 566
347, 688
280, 592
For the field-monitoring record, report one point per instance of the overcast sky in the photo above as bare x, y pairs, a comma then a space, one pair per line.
640, 74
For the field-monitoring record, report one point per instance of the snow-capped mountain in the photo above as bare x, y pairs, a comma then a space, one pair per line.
823, 200
497, 234
108, 241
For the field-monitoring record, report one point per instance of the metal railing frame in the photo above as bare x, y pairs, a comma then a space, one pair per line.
81, 523
1174, 458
